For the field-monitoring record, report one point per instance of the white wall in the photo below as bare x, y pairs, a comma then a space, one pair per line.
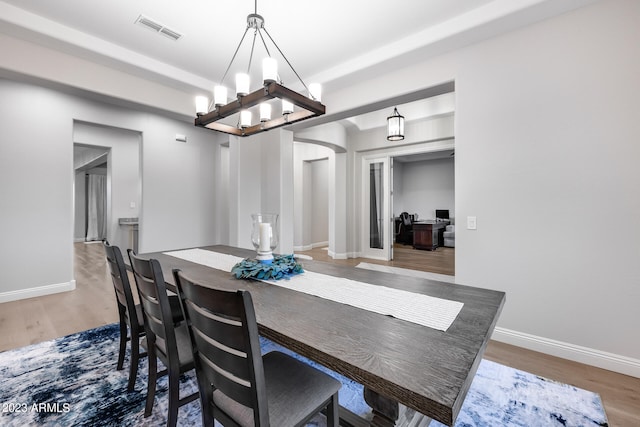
222, 201
423, 186
545, 120
177, 192
36, 208
545, 123
261, 181
178, 186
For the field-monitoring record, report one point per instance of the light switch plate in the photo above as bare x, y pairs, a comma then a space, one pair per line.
471, 223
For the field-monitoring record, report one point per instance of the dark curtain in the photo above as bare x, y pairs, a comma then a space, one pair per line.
375, 204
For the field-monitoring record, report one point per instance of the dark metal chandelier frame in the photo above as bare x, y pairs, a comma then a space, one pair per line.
310, 107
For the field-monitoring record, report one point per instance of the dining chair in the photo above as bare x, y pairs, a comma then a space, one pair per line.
167, 335
238, 386
130, 313
406, 229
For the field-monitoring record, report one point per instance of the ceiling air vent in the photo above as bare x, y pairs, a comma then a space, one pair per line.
154, 25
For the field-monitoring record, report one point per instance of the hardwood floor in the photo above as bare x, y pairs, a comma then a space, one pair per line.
92, 304
441, 261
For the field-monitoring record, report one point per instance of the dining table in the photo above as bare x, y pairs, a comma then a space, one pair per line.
397, 361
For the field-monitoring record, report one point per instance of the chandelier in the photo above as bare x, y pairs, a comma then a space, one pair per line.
210, 113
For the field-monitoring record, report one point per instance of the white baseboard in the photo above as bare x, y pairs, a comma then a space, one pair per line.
311, 246
37, 291
335, 255
601, 359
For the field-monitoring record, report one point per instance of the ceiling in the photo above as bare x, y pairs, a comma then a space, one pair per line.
328, 41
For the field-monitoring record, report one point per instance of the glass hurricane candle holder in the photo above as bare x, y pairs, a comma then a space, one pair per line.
264, 235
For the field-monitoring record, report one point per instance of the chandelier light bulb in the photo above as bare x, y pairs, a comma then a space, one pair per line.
242, 84
265, 112
287, 107
269, 70
202, 105
245, 118
219, 95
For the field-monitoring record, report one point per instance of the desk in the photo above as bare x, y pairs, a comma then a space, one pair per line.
422, 368
428, 234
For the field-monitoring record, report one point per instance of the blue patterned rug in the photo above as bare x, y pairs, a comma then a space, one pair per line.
72, 381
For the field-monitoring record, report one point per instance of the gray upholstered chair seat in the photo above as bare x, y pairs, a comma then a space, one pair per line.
285, 377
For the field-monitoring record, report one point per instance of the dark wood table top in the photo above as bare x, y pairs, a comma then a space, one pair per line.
423, 368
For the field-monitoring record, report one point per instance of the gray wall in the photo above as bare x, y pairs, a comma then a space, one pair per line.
546, 119
422, 187
79, 204
37, 215
36, 208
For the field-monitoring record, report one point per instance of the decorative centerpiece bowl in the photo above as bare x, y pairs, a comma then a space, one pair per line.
281, 267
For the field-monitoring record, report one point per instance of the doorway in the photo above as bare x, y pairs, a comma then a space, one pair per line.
114, 154
90, 193
418, 180
316, 203
312, 168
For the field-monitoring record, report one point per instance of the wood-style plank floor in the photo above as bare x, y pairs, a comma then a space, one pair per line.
92, 304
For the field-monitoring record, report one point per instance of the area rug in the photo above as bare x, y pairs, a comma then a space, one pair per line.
73, 381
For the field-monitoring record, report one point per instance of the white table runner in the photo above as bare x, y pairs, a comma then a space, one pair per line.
436, 313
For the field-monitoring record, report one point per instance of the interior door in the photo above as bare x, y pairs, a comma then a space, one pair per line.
377, 229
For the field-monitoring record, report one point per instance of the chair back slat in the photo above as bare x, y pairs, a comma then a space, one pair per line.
150, 304
220, 341
223, 328
156, 308
235, 388
121, 284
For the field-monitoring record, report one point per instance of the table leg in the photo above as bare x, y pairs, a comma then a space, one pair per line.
389, 413
385, 410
